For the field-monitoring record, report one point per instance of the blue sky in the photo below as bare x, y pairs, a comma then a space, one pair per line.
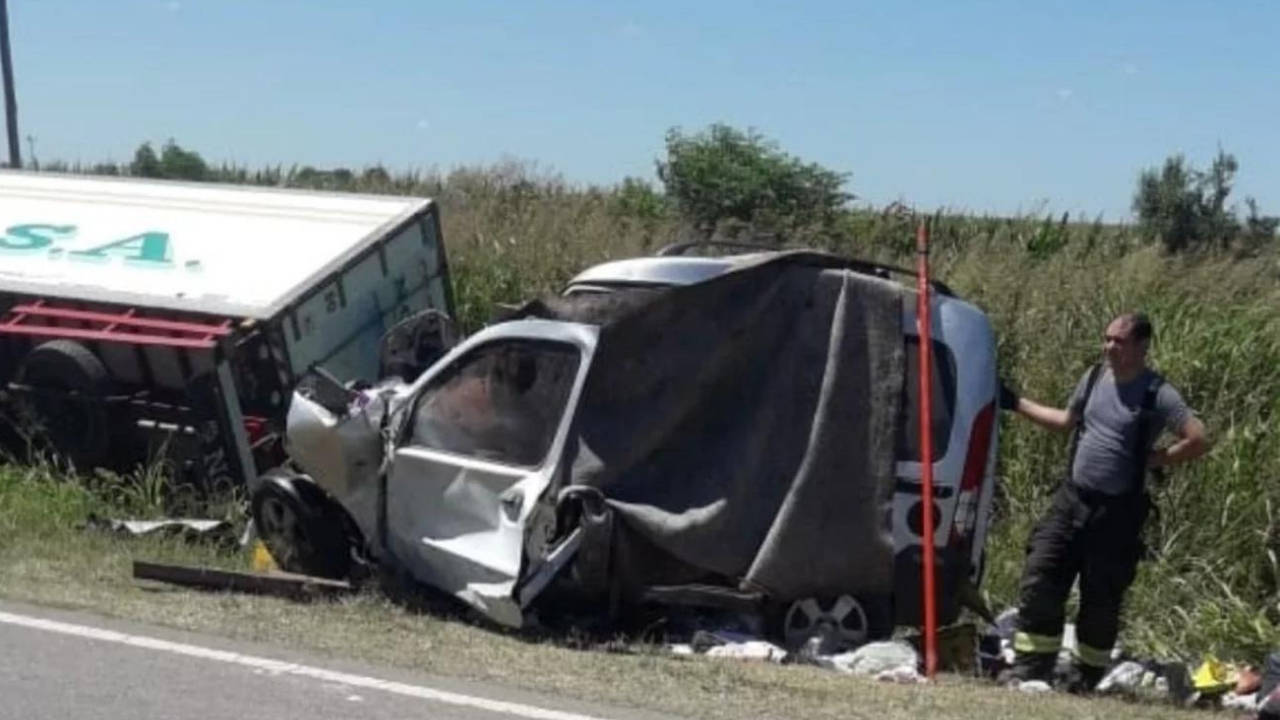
983, 106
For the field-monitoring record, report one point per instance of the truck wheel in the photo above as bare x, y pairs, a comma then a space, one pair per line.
69, 402
302, 532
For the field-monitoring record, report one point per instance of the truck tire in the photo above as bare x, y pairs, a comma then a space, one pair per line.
72, 385
301, 528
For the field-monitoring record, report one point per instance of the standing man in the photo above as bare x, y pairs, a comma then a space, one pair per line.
1093, 529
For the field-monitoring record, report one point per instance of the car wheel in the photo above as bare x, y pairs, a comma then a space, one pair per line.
303, 534
840, 623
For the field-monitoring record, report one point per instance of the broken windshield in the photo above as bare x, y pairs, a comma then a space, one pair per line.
499, 402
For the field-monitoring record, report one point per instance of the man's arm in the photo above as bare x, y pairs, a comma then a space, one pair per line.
1192, 442
1061, 420
1056, 419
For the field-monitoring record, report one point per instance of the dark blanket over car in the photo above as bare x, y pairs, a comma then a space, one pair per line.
742, 430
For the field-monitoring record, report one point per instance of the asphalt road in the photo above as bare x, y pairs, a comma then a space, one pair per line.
64, 665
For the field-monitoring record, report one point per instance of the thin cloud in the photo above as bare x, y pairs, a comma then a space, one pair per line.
423, 124
1129, 68
1065, 94
173, 6
632, 30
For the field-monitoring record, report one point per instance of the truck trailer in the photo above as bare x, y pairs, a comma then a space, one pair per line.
150, 319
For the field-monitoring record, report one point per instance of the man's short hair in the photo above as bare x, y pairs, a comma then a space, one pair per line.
1139, 325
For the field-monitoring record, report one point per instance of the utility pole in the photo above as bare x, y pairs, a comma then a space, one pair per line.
10, 95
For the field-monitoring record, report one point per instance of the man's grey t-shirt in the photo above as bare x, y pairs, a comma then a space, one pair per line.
1105, 457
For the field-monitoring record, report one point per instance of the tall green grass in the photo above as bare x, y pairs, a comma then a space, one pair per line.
1049, 285
1212, 586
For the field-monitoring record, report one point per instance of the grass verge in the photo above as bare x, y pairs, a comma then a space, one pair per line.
47, 558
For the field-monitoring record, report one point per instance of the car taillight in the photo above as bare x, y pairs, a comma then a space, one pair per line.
975, 465
255, 428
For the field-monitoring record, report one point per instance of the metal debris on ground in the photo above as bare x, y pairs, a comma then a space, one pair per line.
298, 587
216, 530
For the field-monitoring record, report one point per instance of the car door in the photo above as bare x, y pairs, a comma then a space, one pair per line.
479, 449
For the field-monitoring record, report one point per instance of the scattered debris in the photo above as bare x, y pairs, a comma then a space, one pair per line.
749, 650
1213, 677
995, 644
706, 640
1234, 701
1125, 677
1151, 681
731, 644
873, 659
895, 661
216, 530
1033, 686
904, 675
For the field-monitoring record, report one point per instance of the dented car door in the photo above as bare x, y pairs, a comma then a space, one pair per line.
482, 439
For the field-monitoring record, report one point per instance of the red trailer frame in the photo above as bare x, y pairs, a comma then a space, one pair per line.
227, 440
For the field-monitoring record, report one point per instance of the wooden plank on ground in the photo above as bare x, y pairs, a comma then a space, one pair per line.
275, 583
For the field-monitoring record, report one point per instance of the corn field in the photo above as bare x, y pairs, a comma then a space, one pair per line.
1049, 285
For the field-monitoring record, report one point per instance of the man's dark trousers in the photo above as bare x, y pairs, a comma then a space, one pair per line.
1098, 538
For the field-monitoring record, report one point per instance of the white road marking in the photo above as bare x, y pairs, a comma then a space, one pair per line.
280, 667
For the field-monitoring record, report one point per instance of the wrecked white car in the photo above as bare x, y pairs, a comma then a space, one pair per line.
742, 435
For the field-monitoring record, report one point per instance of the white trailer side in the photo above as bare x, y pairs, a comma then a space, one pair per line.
300, 278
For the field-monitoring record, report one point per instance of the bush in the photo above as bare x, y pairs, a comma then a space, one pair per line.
725, 181
1186, 209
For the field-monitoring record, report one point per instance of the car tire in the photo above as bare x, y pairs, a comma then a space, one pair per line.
300, 527
75, 418
843, 621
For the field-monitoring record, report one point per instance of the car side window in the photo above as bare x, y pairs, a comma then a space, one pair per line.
943, 369
502, 401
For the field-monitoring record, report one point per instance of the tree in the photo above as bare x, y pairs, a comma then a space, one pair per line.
1259, 229
729, 182
145, 162
636, 198
375, 176
174, 163
181, 164
1186, 209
